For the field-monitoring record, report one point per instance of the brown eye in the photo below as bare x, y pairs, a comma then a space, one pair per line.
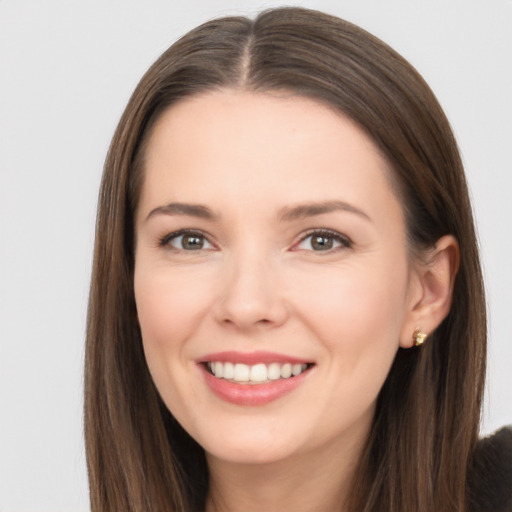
192, 242
186, 241
322, 243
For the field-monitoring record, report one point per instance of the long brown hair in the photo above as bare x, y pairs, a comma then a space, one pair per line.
427, 417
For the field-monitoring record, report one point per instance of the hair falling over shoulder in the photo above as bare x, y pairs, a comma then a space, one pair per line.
426, 424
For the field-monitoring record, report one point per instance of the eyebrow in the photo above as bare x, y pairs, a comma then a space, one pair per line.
192, 210
287, 214
311, 209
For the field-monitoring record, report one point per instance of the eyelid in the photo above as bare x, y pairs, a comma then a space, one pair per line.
344, 240
165, 240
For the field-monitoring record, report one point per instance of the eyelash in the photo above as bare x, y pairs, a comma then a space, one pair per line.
344, 241
166, 239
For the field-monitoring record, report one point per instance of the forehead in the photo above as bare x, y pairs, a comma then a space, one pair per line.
277, 147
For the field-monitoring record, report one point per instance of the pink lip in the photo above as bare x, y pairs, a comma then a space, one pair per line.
250, 358
251, 394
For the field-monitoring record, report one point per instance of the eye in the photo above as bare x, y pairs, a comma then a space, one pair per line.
185, 240
324, 240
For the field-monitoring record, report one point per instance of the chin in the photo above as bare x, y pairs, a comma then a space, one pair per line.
249, 443
254, 454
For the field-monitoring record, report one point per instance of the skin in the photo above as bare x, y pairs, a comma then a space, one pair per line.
258, 283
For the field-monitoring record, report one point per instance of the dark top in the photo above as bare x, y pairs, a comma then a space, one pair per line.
490, 478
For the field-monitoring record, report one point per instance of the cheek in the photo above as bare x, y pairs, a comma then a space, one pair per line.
169, 306
357, 316
357, 311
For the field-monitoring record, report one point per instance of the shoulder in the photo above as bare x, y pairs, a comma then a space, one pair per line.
490, 475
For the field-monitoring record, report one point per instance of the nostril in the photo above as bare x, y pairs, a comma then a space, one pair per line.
262, 322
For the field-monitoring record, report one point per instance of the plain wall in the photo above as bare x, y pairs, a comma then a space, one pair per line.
67, 70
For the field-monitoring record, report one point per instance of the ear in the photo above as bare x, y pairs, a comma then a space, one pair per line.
431, 289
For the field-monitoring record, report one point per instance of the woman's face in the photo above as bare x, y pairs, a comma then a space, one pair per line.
271, 251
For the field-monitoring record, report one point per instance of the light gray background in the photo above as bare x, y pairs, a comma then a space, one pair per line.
67, 70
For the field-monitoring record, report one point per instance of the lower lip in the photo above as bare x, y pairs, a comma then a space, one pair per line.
252, 394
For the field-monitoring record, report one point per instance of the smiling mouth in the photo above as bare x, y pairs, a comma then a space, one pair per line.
255, 374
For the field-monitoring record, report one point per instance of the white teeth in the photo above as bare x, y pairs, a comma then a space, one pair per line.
218, 370
286, 370
241, 372
296, 369
260, 372
229, 371
274, 371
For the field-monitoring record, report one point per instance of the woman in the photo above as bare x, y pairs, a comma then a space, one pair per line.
286, 306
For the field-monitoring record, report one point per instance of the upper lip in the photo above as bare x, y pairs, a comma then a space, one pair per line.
251, 358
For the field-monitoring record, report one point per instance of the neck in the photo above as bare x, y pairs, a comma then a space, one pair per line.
317, 481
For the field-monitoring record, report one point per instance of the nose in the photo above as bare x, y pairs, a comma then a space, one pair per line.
251, 294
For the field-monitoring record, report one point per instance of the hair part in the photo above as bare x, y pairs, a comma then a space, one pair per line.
427, 417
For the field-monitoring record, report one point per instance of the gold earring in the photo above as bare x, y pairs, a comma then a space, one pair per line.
419, 337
